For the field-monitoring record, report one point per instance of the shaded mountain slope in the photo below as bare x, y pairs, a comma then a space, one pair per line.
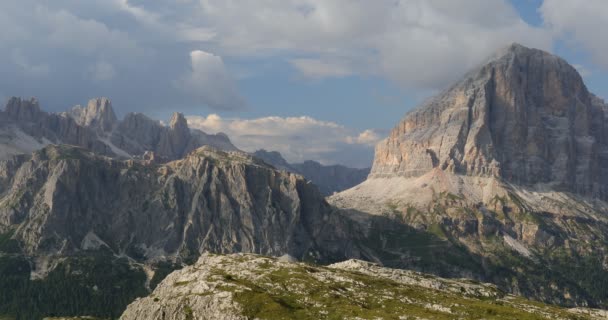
329, 179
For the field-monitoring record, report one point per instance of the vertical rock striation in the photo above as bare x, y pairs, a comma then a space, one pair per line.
525, 116
24, 127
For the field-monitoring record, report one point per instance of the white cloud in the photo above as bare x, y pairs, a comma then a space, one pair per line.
87, 36
101, 71
297, 138
82, 43
210, 82
317, 69
368, 137
582, 22
26, 67
416, 43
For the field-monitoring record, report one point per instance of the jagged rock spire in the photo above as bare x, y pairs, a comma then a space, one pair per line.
22, 110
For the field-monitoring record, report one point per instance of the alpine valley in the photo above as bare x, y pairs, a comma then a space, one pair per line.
488, 201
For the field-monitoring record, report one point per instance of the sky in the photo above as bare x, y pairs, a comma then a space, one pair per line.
314, 79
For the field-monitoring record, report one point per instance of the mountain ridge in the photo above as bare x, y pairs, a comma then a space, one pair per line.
244, 286
27, 128
329, 178
509, 163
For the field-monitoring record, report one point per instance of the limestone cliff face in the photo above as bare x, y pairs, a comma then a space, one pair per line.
244, 286
175, 141
24, 127
526, 117
97, 115
27, 127
510, 163
62, 200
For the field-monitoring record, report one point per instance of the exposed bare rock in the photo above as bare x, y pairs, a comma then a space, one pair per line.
137, 133
25, 128
509, 163
174, 141
242, 286
525, 117
63, 199
98, 115
22, 110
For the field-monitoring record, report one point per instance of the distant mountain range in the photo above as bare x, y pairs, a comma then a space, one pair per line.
24, 128
329, 179
501, 178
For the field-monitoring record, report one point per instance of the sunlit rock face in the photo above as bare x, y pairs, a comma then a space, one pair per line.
525, 116
63, 199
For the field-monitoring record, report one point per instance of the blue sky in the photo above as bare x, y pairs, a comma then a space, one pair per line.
369, 102
313, 79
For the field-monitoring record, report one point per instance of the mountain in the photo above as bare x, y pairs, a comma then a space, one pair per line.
24, 127
255, 287
91, 224
526, 117
82, 233
510, 164
62, 199
85, 223
329, 179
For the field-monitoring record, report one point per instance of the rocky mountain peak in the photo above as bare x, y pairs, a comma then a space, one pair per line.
517, 49
18, 109
525, 116
175, 140
98, 115
178, 122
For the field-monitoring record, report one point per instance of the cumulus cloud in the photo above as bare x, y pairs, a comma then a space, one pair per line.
581, 22
419, 44
367, 137
84, 44
210, 82
296, 138
85, 36
416, 43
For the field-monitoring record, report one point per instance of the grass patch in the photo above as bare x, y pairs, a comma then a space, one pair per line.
296, 293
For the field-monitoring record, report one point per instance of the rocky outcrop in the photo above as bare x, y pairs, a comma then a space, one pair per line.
28, 128
509, 164
329, 179
22, 110
255, 287
175, 141
525, 117
138, 134
62, 200
25, 128
97, 115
